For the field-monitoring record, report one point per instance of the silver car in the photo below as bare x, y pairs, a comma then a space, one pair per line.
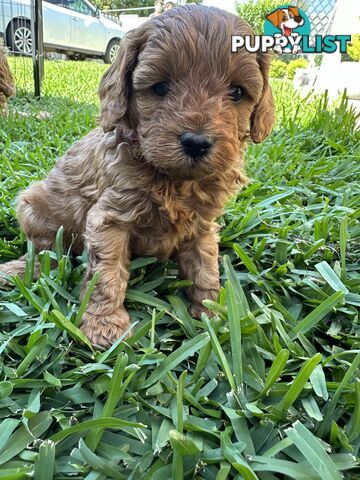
74, 27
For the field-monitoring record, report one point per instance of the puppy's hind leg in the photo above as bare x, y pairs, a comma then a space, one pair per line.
17, 267
38, 223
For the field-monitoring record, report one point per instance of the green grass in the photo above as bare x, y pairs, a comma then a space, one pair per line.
267, 389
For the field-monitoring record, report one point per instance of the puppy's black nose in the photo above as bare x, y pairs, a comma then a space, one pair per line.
196, 144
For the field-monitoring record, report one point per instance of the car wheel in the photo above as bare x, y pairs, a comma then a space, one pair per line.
77, 57
111, 51
20, 37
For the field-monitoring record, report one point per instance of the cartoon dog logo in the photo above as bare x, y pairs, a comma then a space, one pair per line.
287, 20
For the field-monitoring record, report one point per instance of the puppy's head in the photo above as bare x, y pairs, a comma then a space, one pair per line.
190, 101
286, 18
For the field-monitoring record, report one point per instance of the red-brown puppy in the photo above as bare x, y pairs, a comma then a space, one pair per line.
177, 108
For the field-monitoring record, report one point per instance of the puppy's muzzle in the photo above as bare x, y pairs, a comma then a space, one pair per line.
196, 145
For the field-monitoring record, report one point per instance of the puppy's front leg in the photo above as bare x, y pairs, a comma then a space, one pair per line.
198, 262
105, 318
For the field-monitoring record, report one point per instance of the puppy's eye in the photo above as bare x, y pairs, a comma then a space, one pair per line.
236, 93
161, 89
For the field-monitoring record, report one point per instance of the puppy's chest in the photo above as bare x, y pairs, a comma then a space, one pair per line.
160, 230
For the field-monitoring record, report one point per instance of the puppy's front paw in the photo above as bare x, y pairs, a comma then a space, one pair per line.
104, 330
196, 309
197, 296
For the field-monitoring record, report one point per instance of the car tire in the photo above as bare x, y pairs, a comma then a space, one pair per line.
77, 57
111, 51
19, 37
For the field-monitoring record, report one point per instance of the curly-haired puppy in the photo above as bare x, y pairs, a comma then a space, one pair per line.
177, 108
7, 86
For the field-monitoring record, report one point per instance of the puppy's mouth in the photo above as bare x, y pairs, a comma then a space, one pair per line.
188, 168
187, 157
199, 167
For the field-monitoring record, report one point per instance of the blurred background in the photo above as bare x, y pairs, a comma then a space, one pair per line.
91, 30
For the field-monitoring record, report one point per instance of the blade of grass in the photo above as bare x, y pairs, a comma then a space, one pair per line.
44, 467
343, 239
59, 242
63, 323
275, 371
85, 301
313, 451
178, 464
36, 350
235, 332
330, 277
25, 435
355, 418
232, 277
298, 384
112, 400
219, 351
330, 406
187, 349
103, 422
30, 263
246, 260
311, 320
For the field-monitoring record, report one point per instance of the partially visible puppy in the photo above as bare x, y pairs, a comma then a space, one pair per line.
177, 108
7, 86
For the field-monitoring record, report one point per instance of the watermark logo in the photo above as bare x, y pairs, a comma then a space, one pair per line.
288, 25
287, 30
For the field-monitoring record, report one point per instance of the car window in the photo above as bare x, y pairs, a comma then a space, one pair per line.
77, 6
59, 3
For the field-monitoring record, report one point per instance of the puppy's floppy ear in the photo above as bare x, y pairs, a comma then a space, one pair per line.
115, 87
263, 116
295, 11
274, 18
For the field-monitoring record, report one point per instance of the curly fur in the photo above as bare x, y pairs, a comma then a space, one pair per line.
127, 188
7, 86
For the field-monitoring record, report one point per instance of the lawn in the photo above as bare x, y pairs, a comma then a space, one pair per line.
266, 389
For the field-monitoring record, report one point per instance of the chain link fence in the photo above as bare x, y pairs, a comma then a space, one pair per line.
39, 36
17, 34
320, 13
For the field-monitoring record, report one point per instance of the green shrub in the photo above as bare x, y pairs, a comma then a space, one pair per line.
281, 69
354, 49
294, 65
278, 69
254, 12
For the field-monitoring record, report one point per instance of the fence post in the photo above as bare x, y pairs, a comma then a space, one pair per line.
38, 44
